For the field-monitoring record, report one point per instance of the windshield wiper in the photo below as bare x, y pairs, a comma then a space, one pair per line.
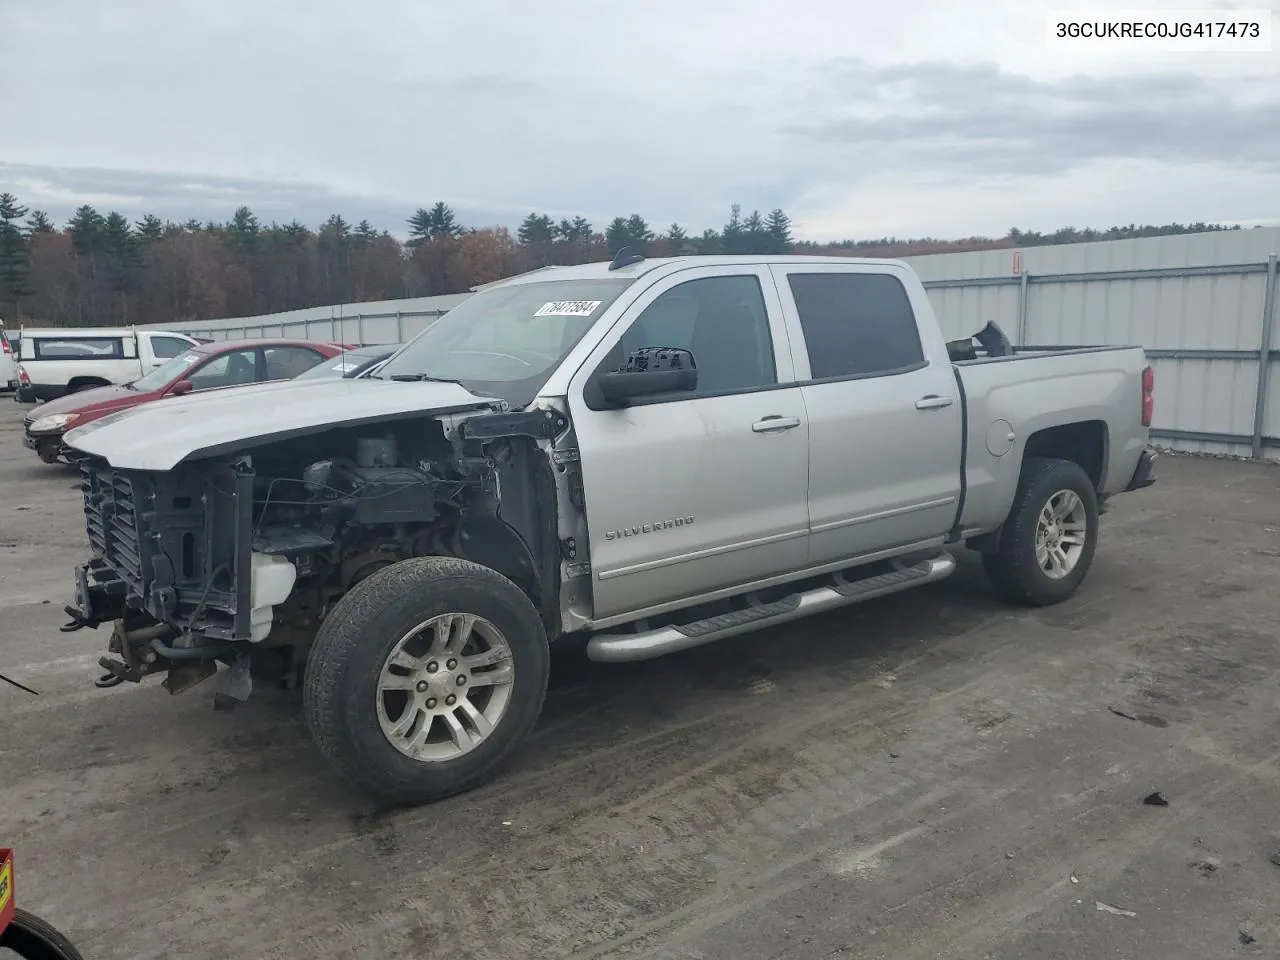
418, 377
425, 378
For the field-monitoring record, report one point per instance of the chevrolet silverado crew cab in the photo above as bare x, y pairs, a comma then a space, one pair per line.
645, 454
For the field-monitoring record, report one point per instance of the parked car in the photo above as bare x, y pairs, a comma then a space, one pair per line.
647, 454
208, 366
8, 362
356, 362
56, 361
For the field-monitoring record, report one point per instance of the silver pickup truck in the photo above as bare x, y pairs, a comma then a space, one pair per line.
646, 454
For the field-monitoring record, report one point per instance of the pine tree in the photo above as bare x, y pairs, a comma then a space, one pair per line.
123, 261
150, 229
632, 231
242, 232
86, 227
365, 233
39, 222
778, 229
443, 222
434, 224
756, 239
15, 264
616, 235
733, 238
639, 234
419, 227
536, 228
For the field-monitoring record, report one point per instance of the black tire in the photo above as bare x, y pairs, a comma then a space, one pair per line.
341, 680
32, 939
1013, 569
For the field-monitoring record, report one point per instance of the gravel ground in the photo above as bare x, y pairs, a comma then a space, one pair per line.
931, 775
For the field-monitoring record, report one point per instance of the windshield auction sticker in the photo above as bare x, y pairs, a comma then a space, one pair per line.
568, 308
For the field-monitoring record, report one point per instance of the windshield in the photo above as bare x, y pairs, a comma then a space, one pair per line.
507, 341
167, 372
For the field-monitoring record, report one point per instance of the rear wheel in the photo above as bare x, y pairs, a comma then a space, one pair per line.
1047, 543
425, 677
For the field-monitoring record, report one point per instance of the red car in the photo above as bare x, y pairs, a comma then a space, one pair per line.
209, 366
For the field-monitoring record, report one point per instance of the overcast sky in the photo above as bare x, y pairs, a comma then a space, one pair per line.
918, 117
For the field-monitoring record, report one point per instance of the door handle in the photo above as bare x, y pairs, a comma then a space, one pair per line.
934, 402
775, 423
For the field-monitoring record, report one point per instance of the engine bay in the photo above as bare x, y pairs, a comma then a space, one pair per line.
241, 556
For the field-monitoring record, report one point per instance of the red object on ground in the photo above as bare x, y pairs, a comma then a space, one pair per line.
7, 905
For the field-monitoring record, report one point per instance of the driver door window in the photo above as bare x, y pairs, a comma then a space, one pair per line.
722, 321
228, 370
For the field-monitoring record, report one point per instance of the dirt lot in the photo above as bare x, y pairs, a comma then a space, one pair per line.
929, 775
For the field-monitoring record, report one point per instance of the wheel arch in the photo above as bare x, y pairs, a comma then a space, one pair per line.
1084, 442
86, 383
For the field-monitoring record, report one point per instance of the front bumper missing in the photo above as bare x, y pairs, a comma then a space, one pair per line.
140, 646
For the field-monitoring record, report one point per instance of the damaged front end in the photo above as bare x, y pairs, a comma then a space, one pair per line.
237, 559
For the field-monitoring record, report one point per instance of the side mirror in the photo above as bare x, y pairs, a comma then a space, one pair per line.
181, 387
650, 371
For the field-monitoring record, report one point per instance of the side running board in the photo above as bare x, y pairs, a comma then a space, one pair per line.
840, 592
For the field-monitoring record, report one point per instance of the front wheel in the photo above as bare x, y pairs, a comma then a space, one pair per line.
1047, 543
425, 677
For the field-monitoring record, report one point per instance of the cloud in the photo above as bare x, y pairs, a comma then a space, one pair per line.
303, 108
980, 120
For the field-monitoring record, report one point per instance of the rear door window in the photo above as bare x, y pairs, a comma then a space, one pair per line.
285, 363
856, 324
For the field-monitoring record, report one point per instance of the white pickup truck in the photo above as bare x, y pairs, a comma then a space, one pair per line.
56, 361
646, 454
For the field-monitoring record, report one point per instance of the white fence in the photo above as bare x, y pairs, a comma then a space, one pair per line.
1203, 305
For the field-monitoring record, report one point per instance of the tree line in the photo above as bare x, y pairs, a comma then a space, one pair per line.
102, 269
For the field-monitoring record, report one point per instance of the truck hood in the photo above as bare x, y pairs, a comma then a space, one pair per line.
159, 436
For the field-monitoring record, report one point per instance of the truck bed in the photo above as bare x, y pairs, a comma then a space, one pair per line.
1037, 388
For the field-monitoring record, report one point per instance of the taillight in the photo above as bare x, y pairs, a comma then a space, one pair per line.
1148, 395
4, 344
22, 376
